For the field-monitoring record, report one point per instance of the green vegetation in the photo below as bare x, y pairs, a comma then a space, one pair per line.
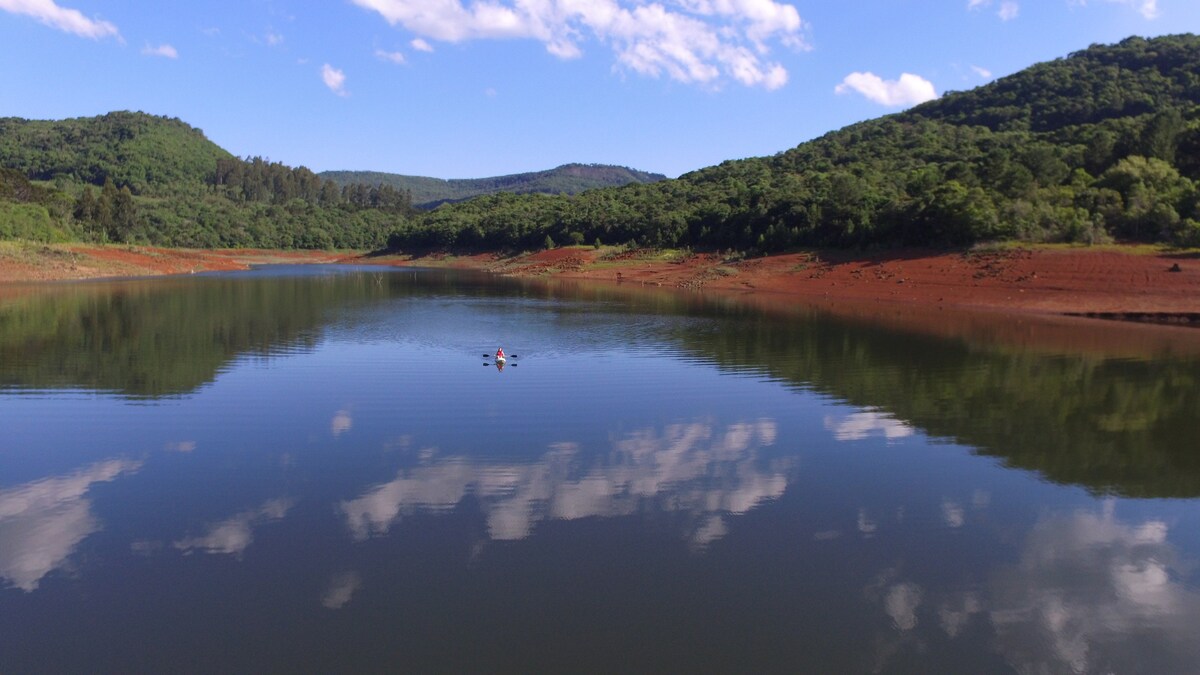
569, 179
28, 211
1101, 145
132, 177
1114, 425
147, 154
163, 338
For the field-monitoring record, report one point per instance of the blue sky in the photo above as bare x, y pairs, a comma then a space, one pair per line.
473, 88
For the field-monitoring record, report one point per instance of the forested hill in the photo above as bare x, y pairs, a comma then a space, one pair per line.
567, 179
1136, 77
133, 177
144, 152
1104, 143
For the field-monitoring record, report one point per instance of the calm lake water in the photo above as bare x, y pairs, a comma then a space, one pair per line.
317, 470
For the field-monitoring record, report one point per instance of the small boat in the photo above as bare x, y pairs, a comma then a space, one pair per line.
500, 359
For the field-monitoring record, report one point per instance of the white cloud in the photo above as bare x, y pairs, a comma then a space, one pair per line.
956, 613
334, 79
342, 421
1007, 10
163, 50
234, 535
908, 90
341, 589
866, 526
982, 72
869, 422
421, 45
901, 604
394, 57
693, 41
1085, 593
66, 20
1147, 8
1086, 589
953, 514
42, 522
273, 39
674, 466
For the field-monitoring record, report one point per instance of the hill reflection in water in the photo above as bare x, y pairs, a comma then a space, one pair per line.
313, 465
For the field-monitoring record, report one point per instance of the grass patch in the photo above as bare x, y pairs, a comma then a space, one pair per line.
35, 253
1131, 249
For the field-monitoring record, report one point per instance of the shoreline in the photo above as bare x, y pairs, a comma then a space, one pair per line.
1112, 282
1104, 282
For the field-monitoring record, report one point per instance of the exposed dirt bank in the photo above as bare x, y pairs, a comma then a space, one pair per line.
1103, 281
1116, 282
23, 261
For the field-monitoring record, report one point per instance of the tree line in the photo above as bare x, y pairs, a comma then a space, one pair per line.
1103, 144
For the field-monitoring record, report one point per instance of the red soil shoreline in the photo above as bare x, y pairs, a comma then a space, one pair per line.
1103, 280
1108, 280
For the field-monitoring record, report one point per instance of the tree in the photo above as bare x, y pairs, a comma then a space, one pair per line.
1161, 135
124, 215
105, 207
85, 206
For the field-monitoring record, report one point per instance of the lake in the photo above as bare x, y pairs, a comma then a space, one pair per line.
319, 469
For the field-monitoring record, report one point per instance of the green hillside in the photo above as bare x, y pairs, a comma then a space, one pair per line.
567, 179
145, 152
1102, 144
133, 177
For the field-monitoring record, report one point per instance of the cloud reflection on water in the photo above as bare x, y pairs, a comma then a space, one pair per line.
42, 522
694, 468
1089, 593
341, 589
341, 423
1091, 590
234, 535
866, 423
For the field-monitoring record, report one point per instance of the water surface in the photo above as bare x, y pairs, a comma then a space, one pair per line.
317, 470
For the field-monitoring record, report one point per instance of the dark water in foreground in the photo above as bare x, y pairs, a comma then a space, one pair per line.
303, 470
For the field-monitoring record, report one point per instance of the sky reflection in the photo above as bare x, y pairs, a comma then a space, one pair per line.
1089, 593
707, 472
341, 589
720, 491
42, 522
234, 535
865, 424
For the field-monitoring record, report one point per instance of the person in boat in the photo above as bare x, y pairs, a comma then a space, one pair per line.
499, 353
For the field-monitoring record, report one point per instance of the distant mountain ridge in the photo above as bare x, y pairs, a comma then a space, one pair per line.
567, 179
